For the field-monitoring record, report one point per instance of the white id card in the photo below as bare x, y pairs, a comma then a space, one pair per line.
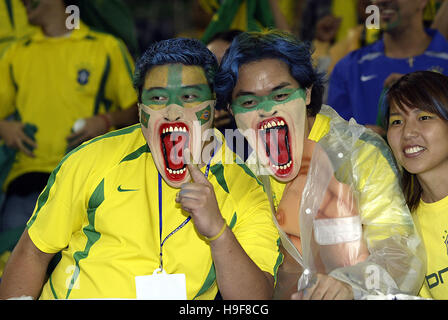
161, 286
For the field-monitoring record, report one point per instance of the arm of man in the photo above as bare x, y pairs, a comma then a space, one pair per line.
100, 124
25, 271
237, 275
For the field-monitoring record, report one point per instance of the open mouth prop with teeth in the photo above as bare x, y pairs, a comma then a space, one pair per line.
275, 136
174, 139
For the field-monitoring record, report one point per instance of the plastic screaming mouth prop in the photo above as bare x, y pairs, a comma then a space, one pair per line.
174, 139
274, 134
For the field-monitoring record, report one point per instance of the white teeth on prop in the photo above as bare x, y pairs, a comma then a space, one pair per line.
180, 171
175, 129
413, 150
289, 164
273, 124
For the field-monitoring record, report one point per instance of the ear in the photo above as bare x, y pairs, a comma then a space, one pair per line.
308, 95
230, 110
139, 112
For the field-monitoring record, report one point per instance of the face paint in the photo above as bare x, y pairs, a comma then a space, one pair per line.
178, 104
144, 118
278, 139
190, 96
204, 115
270, 110
248, 103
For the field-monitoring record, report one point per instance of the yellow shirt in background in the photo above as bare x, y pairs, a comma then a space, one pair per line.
52, 82
432, 222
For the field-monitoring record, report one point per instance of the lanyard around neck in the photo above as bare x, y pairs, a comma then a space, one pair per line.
207, 169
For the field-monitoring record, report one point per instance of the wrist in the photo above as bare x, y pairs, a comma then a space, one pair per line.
219, 234
107, 118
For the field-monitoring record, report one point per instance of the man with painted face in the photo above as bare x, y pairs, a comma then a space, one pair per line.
134, 217
345, 228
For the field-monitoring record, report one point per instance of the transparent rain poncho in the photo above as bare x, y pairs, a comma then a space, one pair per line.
352, 218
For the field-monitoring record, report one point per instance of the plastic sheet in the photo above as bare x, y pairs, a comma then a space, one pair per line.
350, 221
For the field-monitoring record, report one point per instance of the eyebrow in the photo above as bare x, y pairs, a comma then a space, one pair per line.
245, 93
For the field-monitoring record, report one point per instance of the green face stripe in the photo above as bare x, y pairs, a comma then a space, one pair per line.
248, 103
92, 235
181, 96
204, 115
144, 118
174, 92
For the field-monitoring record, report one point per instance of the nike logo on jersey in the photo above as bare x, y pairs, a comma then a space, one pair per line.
367, 78
124, 190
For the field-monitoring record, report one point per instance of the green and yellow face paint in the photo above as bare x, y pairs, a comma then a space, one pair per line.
274, 125
177, 106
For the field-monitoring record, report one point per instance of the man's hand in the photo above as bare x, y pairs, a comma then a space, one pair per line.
325, 287
94, 126
198, 198
14, 137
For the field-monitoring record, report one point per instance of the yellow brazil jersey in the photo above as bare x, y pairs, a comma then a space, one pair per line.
101, 209
432, 222
52, 82
13, 23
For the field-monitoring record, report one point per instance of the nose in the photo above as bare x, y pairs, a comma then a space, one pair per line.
410, 130
173, 112
264, 114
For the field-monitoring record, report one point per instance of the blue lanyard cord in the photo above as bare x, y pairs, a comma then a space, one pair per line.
207, 169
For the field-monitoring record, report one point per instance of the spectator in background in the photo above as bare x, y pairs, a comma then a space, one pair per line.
49, 81
218, 44
357, 81
13, 23
417, 131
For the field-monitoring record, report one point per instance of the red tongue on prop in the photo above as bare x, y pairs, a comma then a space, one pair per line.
276, 144
174, 144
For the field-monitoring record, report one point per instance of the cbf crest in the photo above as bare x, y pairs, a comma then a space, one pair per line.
82, 73
83, 76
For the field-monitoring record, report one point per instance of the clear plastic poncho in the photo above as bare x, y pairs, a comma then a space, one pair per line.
352, 218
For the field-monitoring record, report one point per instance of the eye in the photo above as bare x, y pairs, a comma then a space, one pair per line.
249, 103
281, 96
395, 122
158, 98
189, 97
423, 118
